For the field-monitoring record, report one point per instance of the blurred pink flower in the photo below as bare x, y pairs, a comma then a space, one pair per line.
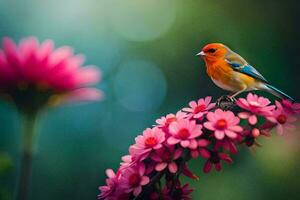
215, 160
290, 107
223, 123
282, 120
200, 108
184, 132
133, 179
55, 75
165, 157
151, 139
256, 105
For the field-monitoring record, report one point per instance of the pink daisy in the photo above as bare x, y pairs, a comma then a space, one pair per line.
200, 108
184, 132
151, 139
256, 105
111, 185
133, 179
126, 161
164, 122
165, 158
35, 74
113, 191
282, 119
223, 123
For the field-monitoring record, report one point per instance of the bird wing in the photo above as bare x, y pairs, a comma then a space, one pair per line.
239, 64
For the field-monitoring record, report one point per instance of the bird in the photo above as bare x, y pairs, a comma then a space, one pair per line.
231, 72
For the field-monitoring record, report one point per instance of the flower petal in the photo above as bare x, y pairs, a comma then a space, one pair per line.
185, 143
219, 134
172, 140
160, 166
207, 166
173, 167
145, 180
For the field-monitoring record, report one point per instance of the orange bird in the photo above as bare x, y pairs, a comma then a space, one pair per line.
231, 72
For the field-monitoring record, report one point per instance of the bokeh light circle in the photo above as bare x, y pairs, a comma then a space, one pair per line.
140, 86
141, 20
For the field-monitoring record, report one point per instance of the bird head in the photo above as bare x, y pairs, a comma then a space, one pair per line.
213, 51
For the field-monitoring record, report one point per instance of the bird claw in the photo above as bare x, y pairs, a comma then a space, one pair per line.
225, 102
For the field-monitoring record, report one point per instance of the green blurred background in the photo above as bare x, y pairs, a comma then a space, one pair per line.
146, 51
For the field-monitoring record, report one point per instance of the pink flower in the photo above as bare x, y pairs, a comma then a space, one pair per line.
290, 107
200, 108
112, 189
227, 144
256, 105
133, 179
126, 161
215, 160
182, 193
185, 192
201, 150
164, 122
282, 119
111, 185
184, 132
165, 157
56, 75
151, 139
223, 123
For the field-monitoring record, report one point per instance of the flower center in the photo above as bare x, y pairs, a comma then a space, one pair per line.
221, 124
150, 142
167, 156
281, 119
199, 108
183, 133
134, 180
170, 120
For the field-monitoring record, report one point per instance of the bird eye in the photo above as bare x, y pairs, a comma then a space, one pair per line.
211, 51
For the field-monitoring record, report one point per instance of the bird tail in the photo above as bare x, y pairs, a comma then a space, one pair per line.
273, 90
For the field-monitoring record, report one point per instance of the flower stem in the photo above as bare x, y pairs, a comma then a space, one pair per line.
23, 184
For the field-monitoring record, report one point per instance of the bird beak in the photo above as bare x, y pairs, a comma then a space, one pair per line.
200, 54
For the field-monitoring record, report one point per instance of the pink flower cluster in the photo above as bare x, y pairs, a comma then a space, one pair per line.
202, 130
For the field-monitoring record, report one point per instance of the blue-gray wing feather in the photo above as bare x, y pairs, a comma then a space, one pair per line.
247, 69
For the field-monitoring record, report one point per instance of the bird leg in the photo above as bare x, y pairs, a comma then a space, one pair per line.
237, 93
225, 102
